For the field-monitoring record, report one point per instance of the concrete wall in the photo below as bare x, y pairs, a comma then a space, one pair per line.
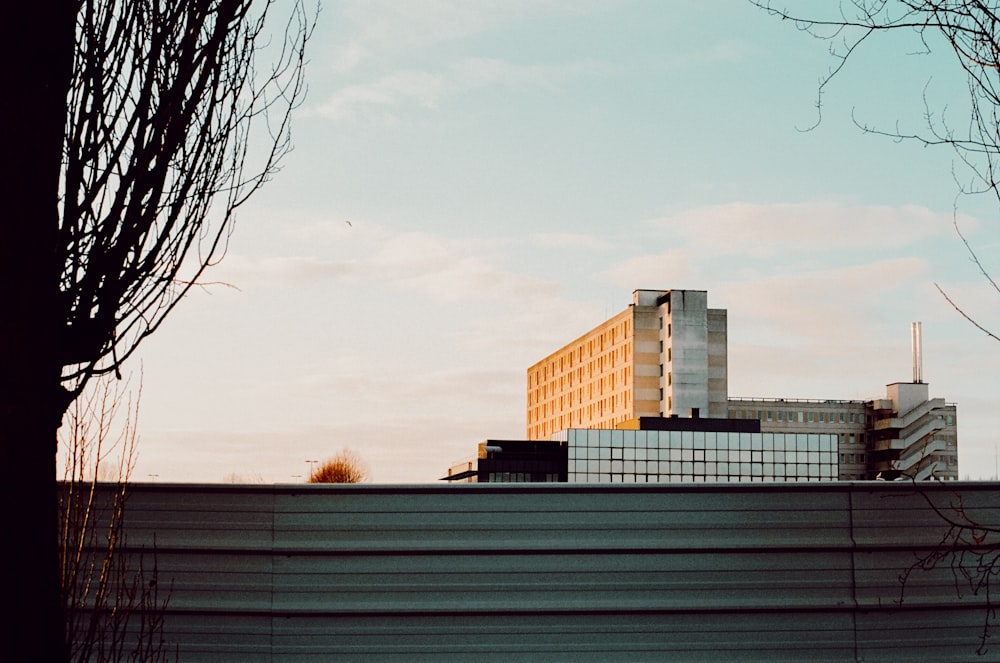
771, 572
685, 353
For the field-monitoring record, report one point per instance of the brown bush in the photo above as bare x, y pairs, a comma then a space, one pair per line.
345, 467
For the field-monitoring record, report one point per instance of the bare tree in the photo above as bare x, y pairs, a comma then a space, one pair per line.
345, 467
111, 596
968, 549
970, 31
135, 130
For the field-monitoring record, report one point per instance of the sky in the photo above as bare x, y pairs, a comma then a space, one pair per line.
474, 184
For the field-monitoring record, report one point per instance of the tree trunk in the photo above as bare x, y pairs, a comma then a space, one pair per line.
37, 46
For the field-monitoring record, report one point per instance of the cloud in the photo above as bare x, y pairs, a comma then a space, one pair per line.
834, 306
763, 230
389, 24
419, 87
344, 58
651, 271
418, 262
427, 89
488, 72
569, 241
446, 270
725, 51
241, 271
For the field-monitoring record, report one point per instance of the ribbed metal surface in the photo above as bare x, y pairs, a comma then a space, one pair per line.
555, 572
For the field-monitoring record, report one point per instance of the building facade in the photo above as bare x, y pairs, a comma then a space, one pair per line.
663, 356
513, 461
907, 433
658, 450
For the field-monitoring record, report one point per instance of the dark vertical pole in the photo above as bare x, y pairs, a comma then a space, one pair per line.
36, 54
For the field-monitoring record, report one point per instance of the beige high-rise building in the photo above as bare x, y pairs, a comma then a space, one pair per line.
665, 355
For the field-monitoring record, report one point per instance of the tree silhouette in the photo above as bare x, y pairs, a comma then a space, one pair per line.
136, 129
113, 599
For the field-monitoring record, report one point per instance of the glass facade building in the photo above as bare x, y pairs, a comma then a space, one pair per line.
677, 456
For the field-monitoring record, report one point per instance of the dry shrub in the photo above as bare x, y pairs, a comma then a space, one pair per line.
345, 467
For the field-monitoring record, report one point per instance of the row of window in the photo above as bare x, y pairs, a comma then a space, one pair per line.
710, 472
812, 416
609, 382
702, 455
593, 412
594, 349
653, 439
702, 468
800, 416
689, 478
519, 477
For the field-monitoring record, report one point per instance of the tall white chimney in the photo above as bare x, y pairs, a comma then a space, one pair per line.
918, 359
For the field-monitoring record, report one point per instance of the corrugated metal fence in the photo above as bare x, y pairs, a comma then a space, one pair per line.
765, 572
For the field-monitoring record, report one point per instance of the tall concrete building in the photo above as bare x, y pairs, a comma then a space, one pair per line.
663, 356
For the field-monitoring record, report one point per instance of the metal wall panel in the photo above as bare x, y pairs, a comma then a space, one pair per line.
557, 572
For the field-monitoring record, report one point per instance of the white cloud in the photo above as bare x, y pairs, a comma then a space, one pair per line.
427, 89
569, 241
651, 271
241, 271
485, 72
833, 306
416, 23
419, 87
762, 230
344, 58
446, 270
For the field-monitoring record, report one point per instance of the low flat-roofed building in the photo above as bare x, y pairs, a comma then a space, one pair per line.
513, 461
